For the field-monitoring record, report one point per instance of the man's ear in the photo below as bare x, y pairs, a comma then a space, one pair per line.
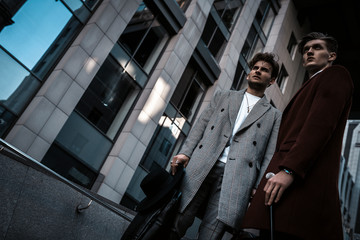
272, 81
332, 56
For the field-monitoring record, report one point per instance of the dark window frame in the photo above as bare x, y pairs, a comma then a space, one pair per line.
282, 77
53, 64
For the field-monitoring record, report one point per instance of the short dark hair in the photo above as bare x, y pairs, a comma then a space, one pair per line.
266, 57
331, 42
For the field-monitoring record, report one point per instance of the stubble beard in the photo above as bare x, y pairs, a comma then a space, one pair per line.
257, 86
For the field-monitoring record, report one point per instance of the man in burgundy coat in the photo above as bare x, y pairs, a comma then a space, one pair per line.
304, 191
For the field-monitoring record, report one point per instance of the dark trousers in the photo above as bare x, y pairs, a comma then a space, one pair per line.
209, 195
265, 235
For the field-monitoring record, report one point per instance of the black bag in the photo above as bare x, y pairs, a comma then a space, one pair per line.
158, 210
154, 224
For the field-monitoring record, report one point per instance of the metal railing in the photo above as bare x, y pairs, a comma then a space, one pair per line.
79, 208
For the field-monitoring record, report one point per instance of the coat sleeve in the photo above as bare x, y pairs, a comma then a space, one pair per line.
197, 131
332, 98
270, 148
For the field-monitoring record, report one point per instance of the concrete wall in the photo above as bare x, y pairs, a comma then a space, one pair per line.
35, 204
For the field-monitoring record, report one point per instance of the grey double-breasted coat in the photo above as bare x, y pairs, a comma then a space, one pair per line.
251, 150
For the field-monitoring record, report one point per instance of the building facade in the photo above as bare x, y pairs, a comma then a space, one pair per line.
103, 91
349, 181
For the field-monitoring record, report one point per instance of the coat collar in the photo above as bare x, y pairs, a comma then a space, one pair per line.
316, 75
262, 106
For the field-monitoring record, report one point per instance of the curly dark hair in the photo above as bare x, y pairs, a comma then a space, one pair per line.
269, 58
331, 42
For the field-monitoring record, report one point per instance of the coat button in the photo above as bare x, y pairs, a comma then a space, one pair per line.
212, 127
258, 125
200, 146
254, 142
250, 164
222, 110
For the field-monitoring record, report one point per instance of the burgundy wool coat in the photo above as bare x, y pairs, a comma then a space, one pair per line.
309, 143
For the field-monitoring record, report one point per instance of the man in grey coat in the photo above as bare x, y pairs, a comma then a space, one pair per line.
229, 147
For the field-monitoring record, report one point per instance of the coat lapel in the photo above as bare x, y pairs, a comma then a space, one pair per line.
234, 106
259, 109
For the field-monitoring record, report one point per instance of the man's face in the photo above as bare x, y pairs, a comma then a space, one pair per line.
316, 56
260, 75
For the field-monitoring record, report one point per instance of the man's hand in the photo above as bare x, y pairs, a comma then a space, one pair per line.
276, 186
180, 158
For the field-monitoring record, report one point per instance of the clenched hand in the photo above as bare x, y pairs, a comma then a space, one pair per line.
180, 158
276, 186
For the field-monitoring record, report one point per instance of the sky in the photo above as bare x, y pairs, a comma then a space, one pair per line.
36, 25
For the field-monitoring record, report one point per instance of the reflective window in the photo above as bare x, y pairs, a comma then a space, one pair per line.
257, 47
254, 43
260, 29
6, 120
219, 23
228, 10
265, 16
183, 4
108, 98
144, 38
19, 84
81, 139
91, 3
68, 166
172, 130
282, 79
240, 78
189, 92
38, 26
35, 29
78, 151
249, 44
292, 46
213, 38
30, 47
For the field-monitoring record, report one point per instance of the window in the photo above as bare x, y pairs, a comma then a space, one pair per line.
218, 25
357, 143
282, 79
259, 31
67, 166
183, 4
265, 16
78, 151
228, 11
213, 38
49, 27
239, 78
143, 39
189, 92
173, 127
251, 38
292, 46
17, 86
88, 135
108, 98
254, 42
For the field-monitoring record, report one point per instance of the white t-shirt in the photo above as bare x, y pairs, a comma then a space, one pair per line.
248, 103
